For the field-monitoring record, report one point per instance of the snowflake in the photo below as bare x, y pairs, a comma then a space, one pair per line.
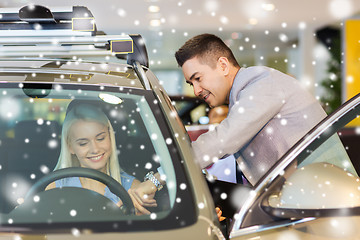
223, 196
75, 232
182, 186
121, 12
148, 165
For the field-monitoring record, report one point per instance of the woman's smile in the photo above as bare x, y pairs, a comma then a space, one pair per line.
96, 158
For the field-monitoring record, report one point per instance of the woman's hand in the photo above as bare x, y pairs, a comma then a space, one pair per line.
142, 194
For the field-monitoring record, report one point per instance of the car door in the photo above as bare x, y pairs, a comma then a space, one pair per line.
313, 192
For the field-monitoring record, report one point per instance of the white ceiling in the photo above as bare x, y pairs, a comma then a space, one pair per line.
181, 19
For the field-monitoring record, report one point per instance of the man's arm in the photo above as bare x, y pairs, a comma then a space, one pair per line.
257, 103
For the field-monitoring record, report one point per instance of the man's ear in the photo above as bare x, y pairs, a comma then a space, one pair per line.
224, 65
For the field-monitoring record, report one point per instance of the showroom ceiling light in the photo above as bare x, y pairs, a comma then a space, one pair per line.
268, 7
155, 22
154, 9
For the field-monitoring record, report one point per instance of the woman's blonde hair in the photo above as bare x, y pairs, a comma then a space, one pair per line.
87, 112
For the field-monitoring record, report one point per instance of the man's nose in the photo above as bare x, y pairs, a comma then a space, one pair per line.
197, 90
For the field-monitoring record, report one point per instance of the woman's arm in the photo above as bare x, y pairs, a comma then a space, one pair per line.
142, 194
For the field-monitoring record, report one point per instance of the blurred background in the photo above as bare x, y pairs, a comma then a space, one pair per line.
310, 40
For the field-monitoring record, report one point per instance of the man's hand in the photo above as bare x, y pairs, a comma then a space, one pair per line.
219, 214
142, 194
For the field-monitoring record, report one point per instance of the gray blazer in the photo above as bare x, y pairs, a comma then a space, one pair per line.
269, 112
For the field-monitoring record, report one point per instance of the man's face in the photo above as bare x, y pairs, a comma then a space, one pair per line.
208, 83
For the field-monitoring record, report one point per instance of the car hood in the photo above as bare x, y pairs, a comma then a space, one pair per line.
203, 229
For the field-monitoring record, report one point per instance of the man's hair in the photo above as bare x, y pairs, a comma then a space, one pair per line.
207, 47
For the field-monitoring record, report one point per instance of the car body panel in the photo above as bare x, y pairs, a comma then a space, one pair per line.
203, 229
319, 229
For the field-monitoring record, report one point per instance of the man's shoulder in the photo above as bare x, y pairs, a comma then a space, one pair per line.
259, 79
258, 70
247, 75
254, 74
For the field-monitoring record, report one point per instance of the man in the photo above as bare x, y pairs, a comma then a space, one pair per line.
268, 110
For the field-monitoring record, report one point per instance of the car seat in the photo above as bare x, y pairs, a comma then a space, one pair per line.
33, 153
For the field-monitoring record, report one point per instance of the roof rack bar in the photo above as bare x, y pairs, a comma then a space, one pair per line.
102, 45
35, 28
41, 33
102, 39
78, 54
141, 74
42, 70
49, 48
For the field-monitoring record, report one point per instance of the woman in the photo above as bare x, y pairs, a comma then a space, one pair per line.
88, 141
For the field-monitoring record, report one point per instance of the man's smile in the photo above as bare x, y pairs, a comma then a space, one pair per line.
206, 96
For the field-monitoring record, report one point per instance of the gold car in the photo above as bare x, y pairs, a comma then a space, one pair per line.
313, 192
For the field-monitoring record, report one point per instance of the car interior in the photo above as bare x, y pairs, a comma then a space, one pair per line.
30, 146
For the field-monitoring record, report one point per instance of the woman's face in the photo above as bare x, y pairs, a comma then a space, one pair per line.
90, 142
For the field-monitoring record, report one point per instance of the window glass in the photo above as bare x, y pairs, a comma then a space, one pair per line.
331, 151
324, 177
31, 124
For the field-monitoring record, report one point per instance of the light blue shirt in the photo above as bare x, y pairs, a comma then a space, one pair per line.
126, 181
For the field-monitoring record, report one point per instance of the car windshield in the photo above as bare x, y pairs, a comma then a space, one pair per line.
31, 121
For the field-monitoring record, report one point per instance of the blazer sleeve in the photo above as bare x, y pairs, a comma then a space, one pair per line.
256, 104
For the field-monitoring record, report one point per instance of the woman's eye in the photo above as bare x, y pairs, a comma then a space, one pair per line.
101, 137
81, 144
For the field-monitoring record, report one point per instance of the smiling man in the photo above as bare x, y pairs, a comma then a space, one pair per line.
268, 110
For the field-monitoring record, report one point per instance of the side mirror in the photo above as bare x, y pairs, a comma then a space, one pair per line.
315, 190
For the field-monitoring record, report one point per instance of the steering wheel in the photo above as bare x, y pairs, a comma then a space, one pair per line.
114, 186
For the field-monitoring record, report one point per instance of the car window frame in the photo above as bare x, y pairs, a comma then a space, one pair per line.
178, 217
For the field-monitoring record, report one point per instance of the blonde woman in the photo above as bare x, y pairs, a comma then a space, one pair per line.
88, 141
